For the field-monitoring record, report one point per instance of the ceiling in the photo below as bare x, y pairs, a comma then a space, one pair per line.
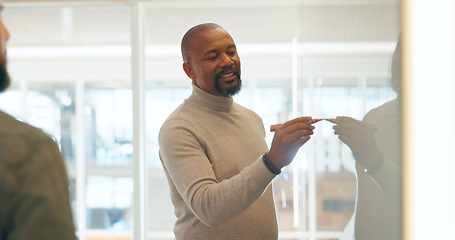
336, 37
36, 22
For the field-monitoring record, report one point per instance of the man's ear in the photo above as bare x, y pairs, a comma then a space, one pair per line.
189, 71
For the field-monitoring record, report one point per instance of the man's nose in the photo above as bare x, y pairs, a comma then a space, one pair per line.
226, 61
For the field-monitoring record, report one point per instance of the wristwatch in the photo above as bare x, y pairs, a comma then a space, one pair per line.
270, 165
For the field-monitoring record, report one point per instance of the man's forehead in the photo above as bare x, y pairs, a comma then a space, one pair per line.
204, 39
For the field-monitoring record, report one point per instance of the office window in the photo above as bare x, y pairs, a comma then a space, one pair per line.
72, 78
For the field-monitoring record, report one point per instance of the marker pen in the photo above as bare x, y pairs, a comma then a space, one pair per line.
273, 127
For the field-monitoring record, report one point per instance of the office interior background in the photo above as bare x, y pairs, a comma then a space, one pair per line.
102, 76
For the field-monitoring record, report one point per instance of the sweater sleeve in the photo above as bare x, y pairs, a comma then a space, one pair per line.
213, 202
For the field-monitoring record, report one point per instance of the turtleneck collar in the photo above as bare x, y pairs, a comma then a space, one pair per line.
207, 100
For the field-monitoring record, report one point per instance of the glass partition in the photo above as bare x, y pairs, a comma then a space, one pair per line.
297, 59
109, 186
72, 78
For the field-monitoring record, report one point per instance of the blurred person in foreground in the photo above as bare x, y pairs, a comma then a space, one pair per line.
214, 153
34, 196
376, 145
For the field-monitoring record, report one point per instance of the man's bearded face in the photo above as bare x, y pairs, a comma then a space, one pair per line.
4, 77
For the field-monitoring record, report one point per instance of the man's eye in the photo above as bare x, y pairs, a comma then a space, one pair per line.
232, 53
211, 58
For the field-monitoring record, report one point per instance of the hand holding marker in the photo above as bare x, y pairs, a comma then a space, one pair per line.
273, 127
332, 120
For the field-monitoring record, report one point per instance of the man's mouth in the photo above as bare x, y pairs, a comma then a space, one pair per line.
227, 75
227, 82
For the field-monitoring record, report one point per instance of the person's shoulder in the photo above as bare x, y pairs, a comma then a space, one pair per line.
18, 138
387, 110
178, 113
10, 126
248, 112
177, 119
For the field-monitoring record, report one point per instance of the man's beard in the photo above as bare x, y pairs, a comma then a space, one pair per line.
230, 91
4, 77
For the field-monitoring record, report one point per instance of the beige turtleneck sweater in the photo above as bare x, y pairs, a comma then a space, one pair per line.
211, 149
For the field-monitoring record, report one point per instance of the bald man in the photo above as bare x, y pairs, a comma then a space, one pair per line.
213, 150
